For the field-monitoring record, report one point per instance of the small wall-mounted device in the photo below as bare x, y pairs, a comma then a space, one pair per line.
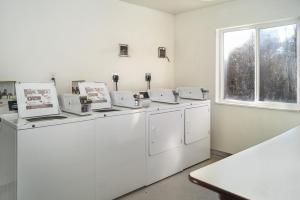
115, 78
53, 78
148, 80
162, 53
123, 52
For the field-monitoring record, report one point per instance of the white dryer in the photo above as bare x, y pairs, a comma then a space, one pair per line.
196, 132
165, 135
196, 124
164, 141
178, 133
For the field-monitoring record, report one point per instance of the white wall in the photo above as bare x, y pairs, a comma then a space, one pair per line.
78, 39
233, 128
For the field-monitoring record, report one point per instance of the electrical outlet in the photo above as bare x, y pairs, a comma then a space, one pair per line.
162, 52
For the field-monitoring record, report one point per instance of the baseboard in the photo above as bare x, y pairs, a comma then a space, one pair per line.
219, 153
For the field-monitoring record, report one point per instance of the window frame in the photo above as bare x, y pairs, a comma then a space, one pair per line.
220, 71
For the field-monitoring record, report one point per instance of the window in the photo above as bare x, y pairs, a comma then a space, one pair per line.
258, 65
239, 65
278, 64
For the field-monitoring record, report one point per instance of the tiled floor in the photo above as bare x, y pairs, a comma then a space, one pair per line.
176, 187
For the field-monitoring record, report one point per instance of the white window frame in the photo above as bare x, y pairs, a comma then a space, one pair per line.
219, 97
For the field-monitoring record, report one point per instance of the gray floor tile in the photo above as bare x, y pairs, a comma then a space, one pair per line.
176, 187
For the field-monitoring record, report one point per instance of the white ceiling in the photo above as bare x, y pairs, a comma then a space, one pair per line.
176, 6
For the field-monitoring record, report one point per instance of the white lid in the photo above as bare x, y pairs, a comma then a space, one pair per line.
97, 92
37, 99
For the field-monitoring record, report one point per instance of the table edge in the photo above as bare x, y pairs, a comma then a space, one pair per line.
220, 191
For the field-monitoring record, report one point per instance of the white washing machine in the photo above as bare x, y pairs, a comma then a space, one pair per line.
120, 146
120, 152
44, 157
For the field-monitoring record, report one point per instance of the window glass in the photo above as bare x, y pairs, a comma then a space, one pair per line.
278, 64
239, 65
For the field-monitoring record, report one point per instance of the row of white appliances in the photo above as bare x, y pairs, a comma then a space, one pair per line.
103, 155
178, 134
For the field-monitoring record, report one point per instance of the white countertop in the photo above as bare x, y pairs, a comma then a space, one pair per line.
14, 121
268, 171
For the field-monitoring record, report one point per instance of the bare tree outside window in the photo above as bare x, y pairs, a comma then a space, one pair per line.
278, 64
239, 65
260, 64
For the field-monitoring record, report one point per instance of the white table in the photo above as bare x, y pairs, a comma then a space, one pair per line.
268, 171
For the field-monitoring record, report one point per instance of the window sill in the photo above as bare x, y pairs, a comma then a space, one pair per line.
261, 105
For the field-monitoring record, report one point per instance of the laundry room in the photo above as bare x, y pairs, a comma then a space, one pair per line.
149, 100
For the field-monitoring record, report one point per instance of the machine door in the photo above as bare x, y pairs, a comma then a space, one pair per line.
166, 131
197, 123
